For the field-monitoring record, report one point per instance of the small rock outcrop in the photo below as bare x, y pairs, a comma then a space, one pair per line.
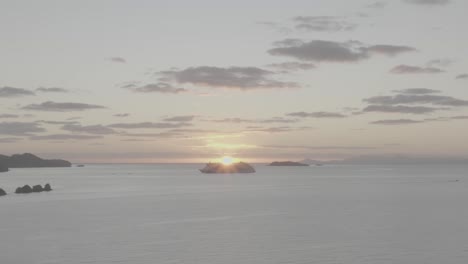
47, 188
37, 188
240, 167
287, 163
24, 189
2, 192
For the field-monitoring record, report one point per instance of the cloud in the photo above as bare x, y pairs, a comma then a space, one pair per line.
459, 117
322, 23
9, 140
400, 109
242, 78
52, 90
428, 2
396, 122
57, 122
417, 91
118, 60
439, 63
61, 107
293, 66
316, 115
276, 26
378, 4
149, 125
330, 51
20, 128
122, 115
7, 91
408, 69
8, 116
462, 76
390, 50
237, 120
318, 147
64, 137
94, 129
186, 118
160, 87
416, 99
281, 129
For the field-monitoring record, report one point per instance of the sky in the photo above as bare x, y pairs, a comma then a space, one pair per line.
189, 81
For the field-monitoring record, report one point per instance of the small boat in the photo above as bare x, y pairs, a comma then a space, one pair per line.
240, 167
80, 165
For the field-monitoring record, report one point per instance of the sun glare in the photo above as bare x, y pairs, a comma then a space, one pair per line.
226, 160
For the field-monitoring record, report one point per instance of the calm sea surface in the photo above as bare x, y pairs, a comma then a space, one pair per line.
174, 214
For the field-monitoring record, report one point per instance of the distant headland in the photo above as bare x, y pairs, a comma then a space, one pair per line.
287, 163
28, 160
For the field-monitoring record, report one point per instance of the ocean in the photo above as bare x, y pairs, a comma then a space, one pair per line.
146, 214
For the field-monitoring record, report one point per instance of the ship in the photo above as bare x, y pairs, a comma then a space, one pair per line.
239, 167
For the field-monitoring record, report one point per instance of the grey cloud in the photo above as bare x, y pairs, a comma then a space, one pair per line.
317, 115
232, 120
122, 115
416, 99
238, 120
400, 109
149, 125
439, 63
52, 90
160, 87
378, 4
292, 66
281, 129
428, 2
242, 78
396, 122
322, 23
8, 116
276, 26
57, 122
186, 118
9, 140
168, 134
93, 129
462, 76
278, 120
459, 117
417, 91
7, 91
408, 69
20, 128
390, 50
64, 137
318, 147
61, 107
118, 59
330, 51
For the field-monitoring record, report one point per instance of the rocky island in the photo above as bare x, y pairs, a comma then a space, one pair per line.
240, 167
287, 163
28, 160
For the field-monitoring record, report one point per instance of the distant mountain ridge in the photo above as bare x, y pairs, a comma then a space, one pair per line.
28, 160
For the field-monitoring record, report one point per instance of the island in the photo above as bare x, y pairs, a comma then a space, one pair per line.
3, 168
288, 163
28, 160
239, 167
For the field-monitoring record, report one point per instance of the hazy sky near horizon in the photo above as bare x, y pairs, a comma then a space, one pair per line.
159, 81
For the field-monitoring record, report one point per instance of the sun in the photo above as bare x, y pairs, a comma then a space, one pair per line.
226, 160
